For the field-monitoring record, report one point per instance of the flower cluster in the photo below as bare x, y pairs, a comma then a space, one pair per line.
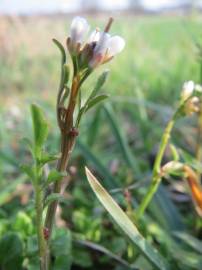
99, 48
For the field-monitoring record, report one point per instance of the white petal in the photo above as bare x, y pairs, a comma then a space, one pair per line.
187, 89
115, 45
94, 36
79, 27
102, 43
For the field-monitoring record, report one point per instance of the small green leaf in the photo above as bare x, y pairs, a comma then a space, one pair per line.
62, 50
54, 176
54, 197
100, 82
40, 126
66, 73
92, 102
126, 224
29, 170
46, 158
93, 99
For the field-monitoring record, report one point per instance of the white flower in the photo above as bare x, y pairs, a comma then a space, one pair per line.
101, 46
187, 89
115, 45
78, 30
106, 48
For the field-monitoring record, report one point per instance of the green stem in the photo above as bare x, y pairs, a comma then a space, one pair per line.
39, 224
156, 175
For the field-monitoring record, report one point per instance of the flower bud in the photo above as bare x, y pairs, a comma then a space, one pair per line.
187, 89
192, 106
79, 28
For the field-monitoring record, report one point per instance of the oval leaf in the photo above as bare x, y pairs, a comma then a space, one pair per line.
54, 176
95, 100
100, 82
40, 126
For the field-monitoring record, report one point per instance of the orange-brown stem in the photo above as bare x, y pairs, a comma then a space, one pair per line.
67, 144
108, 26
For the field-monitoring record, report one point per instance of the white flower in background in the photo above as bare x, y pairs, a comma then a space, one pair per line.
198, 88
192, 105
187, 89
79, 28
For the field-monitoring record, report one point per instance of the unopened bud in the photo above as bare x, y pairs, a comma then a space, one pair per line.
78, 30
192, 106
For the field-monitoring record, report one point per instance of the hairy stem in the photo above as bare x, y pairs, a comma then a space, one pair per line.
67, 145
39, 224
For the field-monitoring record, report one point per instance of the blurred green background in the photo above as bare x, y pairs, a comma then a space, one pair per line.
118, 140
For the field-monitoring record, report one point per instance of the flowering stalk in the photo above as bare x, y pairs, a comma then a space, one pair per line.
156, 175
186, 106
99, 49
199, 135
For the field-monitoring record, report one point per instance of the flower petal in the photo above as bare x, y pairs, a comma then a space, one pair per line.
187, 89
94, 36
115, 45
102, 43
79, 27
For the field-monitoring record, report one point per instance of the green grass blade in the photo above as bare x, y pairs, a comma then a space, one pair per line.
105, 251
101, 169
165, 211
126, 224
191, 241
121, 140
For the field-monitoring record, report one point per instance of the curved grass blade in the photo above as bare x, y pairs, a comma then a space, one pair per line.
126, 224
105, 251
